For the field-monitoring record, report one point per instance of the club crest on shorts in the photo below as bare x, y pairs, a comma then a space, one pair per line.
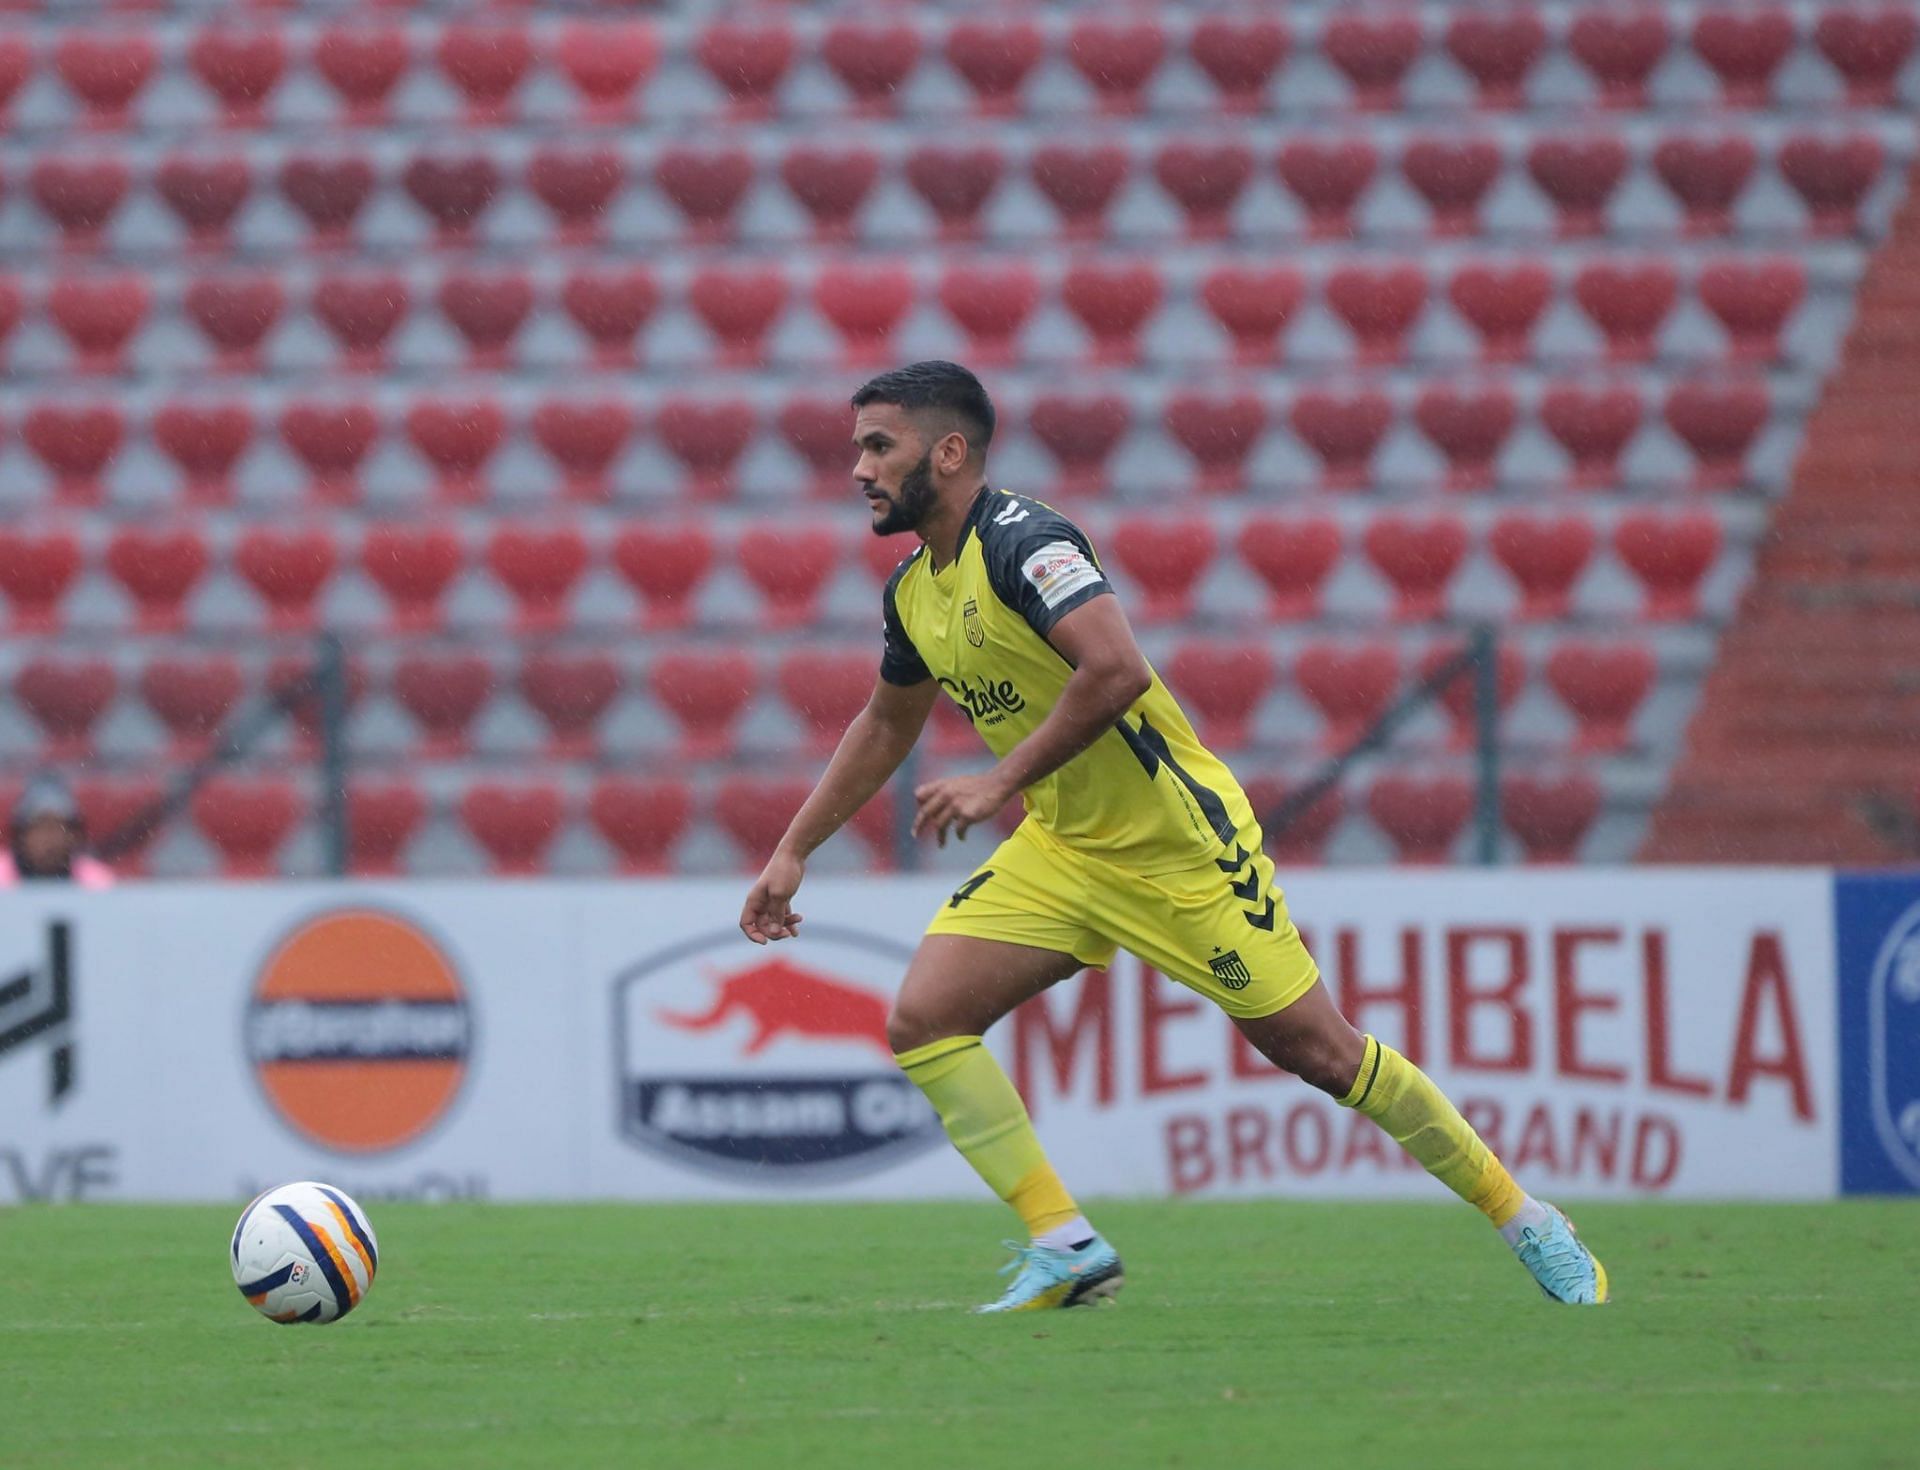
970, 620
1230, 970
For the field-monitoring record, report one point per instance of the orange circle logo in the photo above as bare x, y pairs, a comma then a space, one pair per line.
359, 1031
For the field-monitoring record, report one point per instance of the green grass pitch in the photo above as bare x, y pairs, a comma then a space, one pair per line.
797, 1336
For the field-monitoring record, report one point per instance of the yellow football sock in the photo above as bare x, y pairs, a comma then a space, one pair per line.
1403, 1100
989, 1125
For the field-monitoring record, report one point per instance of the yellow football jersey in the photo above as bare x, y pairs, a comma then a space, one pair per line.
1146, 795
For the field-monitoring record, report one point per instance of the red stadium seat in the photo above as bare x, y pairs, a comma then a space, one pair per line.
865, 302
487, 63
1621, 50
1343, 429
289, 569
1293, 555
1298, 844
1373, 52
1080, 182
540, 565
708, 436
640, 820
706, 185
453, 190
956, 183
953, 732
1419, 558
665, 564
105, 71
457, 439
705, 693
248, 820
66, 698
991, 303
583, 437
1460, 697
1669, 554
831, 185
755, 810
1594, 426
16, 64
1604, 686
883, 554
1580, 174
1753, 299
1869, 49
76, 443
159, 569
1328, 179
1545, 556
1423, 819
362, 65
304, 707
1254, 304
361, 313
235, 313
1453, 176
35, 572
1502, 302
826, 688
1113, 301
1165, 555
606, 61
789, 566
328, 193
1219, 431
98, 315
1468, 426
1351, 686
382, 818
413, 566
12, 305
1379, 306
241, 68
487, 310
1206, 180
204, 194
572, 693
1225, 683
516, 824
108, 807
1832, 175
1550, 818
872, 58
877, 825
750, 61
576, 185
739, 305
820, 431
1707, 177
1240, 53
1744, 47
611, 307
79, 195
1497, 51
1118, 56
192, 698
1628, 301
330, 439
994, 58
443, 693
1081, 434
1719, 424
206, 441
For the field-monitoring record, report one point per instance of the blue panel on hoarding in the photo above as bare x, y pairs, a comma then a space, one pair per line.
1877, 925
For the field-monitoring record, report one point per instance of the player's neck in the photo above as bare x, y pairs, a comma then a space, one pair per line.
946, 522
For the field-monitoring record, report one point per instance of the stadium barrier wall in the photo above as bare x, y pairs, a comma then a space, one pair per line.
1686, 1033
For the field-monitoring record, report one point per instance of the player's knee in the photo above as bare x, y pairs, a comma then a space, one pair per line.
1322, 1060
910, 1026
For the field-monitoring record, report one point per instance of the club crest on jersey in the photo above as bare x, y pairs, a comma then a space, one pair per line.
1230, 970
970, 620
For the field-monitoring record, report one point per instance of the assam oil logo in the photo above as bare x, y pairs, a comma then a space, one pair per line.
359, 1030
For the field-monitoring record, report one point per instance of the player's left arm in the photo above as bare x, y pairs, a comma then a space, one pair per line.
1109, 674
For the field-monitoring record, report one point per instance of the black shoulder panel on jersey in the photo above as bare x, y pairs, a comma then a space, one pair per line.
1039, 563
900, 661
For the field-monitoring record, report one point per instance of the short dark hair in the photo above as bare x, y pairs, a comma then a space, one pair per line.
944, 386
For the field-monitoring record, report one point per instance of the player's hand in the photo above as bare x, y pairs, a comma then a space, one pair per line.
957, 802
768, 913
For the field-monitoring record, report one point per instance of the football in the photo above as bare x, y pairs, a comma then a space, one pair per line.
304, 1253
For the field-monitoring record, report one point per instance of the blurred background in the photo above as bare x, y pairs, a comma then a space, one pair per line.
425, 431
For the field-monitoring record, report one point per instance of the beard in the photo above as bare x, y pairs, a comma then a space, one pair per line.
908, 507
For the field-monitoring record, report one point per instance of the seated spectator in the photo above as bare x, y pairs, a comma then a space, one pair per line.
46, 839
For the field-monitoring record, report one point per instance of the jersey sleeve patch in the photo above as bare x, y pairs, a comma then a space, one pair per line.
1057, 570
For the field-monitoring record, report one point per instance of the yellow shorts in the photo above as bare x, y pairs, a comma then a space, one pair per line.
1224, 934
